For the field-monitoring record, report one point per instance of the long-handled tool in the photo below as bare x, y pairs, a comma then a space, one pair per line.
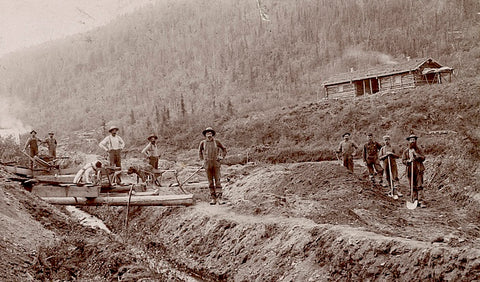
180, 184
411, 205
392, 188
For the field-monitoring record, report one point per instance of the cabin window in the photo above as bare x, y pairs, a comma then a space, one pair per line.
398, 79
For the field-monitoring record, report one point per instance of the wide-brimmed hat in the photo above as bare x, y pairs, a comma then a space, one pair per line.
369, 134
51, 133
412, 136
33, 131
346, 134
112, 128
386, 137
152, 136
208, 129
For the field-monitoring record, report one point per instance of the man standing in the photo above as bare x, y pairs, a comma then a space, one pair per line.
51, 145
347, 149
388, 155
370, 158
413, 159
211, 151
151, 151
32, 144
113, 145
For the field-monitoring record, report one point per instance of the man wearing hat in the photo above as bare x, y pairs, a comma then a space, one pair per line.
51, 145
211, 151
152, 151
347, 149
113, 145
32, 143
388, 155
413, 159
370, 158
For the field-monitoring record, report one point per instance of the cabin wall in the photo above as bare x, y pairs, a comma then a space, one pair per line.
344, 90
397, 81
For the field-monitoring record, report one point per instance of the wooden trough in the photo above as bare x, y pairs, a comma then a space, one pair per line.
165, 200
90, 195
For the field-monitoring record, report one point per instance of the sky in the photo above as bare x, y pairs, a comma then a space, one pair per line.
25, 23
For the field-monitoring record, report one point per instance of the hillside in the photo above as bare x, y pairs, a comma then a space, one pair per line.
195, 64
293, 215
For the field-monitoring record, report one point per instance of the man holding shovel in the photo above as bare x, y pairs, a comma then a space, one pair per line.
413, 159
212, 152
389, 156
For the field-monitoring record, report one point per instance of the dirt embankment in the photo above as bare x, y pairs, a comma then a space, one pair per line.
39, 242
309, 222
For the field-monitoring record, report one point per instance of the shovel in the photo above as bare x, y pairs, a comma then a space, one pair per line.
395, 197
412, 205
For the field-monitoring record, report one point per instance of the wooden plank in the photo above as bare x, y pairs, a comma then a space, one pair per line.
56, 178
146, 193
68, 191
166, 200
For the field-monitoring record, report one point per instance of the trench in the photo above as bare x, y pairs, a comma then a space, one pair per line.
160, 266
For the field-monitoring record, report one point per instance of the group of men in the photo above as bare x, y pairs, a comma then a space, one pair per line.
373, 152
211, 152
33, 143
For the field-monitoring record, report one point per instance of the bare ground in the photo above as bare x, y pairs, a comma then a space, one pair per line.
311, 222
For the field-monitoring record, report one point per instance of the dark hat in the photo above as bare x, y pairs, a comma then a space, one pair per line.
370, 134
51, 133
208, 129
33, 131
112, 128
152, 136
412, 136
346, 133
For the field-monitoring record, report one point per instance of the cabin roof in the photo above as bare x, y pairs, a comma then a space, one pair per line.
380, 71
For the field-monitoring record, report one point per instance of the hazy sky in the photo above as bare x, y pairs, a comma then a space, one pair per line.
24, 23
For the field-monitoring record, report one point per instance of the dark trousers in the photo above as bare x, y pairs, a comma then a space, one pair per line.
115, 159
212, 169
374, 164
348, 162
153, 161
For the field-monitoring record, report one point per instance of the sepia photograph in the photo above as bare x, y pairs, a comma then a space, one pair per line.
240, 140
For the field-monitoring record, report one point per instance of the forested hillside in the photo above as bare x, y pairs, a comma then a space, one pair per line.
188, 64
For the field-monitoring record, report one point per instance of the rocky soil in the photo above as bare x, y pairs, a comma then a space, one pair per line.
309, 222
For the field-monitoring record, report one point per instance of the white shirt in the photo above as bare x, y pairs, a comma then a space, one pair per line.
112, 143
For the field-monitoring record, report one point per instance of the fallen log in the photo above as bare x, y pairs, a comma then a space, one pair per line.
166, 200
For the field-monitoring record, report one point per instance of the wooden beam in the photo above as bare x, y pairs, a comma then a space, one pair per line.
66, 191
168, 200
371, 90
363, 81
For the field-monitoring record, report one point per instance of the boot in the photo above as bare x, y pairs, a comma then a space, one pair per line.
384, 184
214, 199
421, 203
372, 178
220, 199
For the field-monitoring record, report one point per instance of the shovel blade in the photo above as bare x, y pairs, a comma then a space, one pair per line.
412, 206
395, 197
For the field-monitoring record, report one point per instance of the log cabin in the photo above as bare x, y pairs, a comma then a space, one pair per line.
408, 74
